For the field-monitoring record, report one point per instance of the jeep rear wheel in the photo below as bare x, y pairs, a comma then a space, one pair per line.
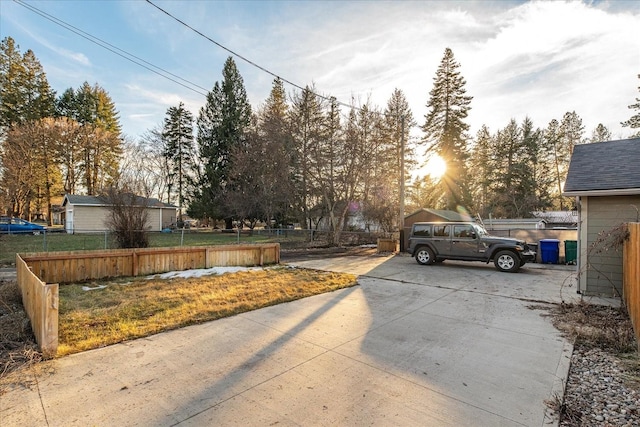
507, 261
425, 256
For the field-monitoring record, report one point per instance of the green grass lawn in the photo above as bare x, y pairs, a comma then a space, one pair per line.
54, 242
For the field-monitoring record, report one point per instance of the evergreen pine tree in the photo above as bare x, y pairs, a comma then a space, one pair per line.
25, 94
222, 125
100, 143
600, 134
481, 172
445, 128
178, 151
634, 121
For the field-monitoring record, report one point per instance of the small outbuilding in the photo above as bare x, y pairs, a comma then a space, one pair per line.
605, 179
88, 214
515, 224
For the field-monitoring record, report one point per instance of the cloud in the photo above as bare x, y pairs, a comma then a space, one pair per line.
537, 59
76, 57
553, 57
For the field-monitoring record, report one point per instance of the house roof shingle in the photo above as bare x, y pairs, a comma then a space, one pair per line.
444, 214
604, 168
75, 199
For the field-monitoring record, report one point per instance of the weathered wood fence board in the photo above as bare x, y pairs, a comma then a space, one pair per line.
81, 266
388, 245
631, 276
35, 270
40, 301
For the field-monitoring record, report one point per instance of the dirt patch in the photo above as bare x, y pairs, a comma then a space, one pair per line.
300, 254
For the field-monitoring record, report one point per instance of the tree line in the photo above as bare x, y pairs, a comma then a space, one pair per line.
51, 145
297, 158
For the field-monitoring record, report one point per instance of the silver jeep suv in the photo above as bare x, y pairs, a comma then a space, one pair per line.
431, 242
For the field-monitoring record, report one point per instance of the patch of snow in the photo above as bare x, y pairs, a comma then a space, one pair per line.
88, 288
186, 274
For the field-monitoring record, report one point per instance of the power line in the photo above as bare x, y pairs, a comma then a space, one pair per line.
250, 62
163, 72
116, 50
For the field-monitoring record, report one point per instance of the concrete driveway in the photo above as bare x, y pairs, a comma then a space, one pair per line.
452, 344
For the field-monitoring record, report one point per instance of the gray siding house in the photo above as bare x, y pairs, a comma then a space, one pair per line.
605, 179
87, 214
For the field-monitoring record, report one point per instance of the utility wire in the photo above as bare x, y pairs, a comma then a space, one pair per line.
250, 62
116, 50
167, 74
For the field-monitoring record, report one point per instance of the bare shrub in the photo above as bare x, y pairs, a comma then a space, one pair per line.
608, 328
128, 217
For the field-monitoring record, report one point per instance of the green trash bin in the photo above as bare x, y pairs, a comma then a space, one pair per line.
570, 251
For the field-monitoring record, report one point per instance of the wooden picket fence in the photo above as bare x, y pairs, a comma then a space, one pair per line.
39, 274
388, 245
631, 276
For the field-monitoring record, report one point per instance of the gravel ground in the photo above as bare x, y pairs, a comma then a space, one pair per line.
603, 385
600, 391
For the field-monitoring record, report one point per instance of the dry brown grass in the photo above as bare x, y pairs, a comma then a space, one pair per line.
136, 307
608, 328
18, 348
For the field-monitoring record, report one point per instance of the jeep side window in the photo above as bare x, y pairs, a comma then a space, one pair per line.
463, 232
441, 230
422, 230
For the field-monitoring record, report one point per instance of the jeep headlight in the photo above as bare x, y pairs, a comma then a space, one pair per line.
519, 248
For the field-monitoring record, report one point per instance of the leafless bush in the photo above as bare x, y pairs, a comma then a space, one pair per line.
127, 218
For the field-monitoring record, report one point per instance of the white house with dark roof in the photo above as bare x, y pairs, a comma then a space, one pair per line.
605, 179
88, 214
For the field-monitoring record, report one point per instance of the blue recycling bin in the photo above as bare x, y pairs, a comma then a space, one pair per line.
550, 251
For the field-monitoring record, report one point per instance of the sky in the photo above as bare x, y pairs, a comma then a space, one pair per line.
519, 59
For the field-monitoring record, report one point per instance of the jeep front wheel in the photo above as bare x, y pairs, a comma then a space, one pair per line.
425, 256
507, 261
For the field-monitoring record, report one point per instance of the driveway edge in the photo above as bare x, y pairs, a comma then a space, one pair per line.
556, 397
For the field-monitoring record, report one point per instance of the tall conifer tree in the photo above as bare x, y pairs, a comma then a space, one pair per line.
222, 125
634, 121
100, 143
178, 149
445, 130
25, 94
